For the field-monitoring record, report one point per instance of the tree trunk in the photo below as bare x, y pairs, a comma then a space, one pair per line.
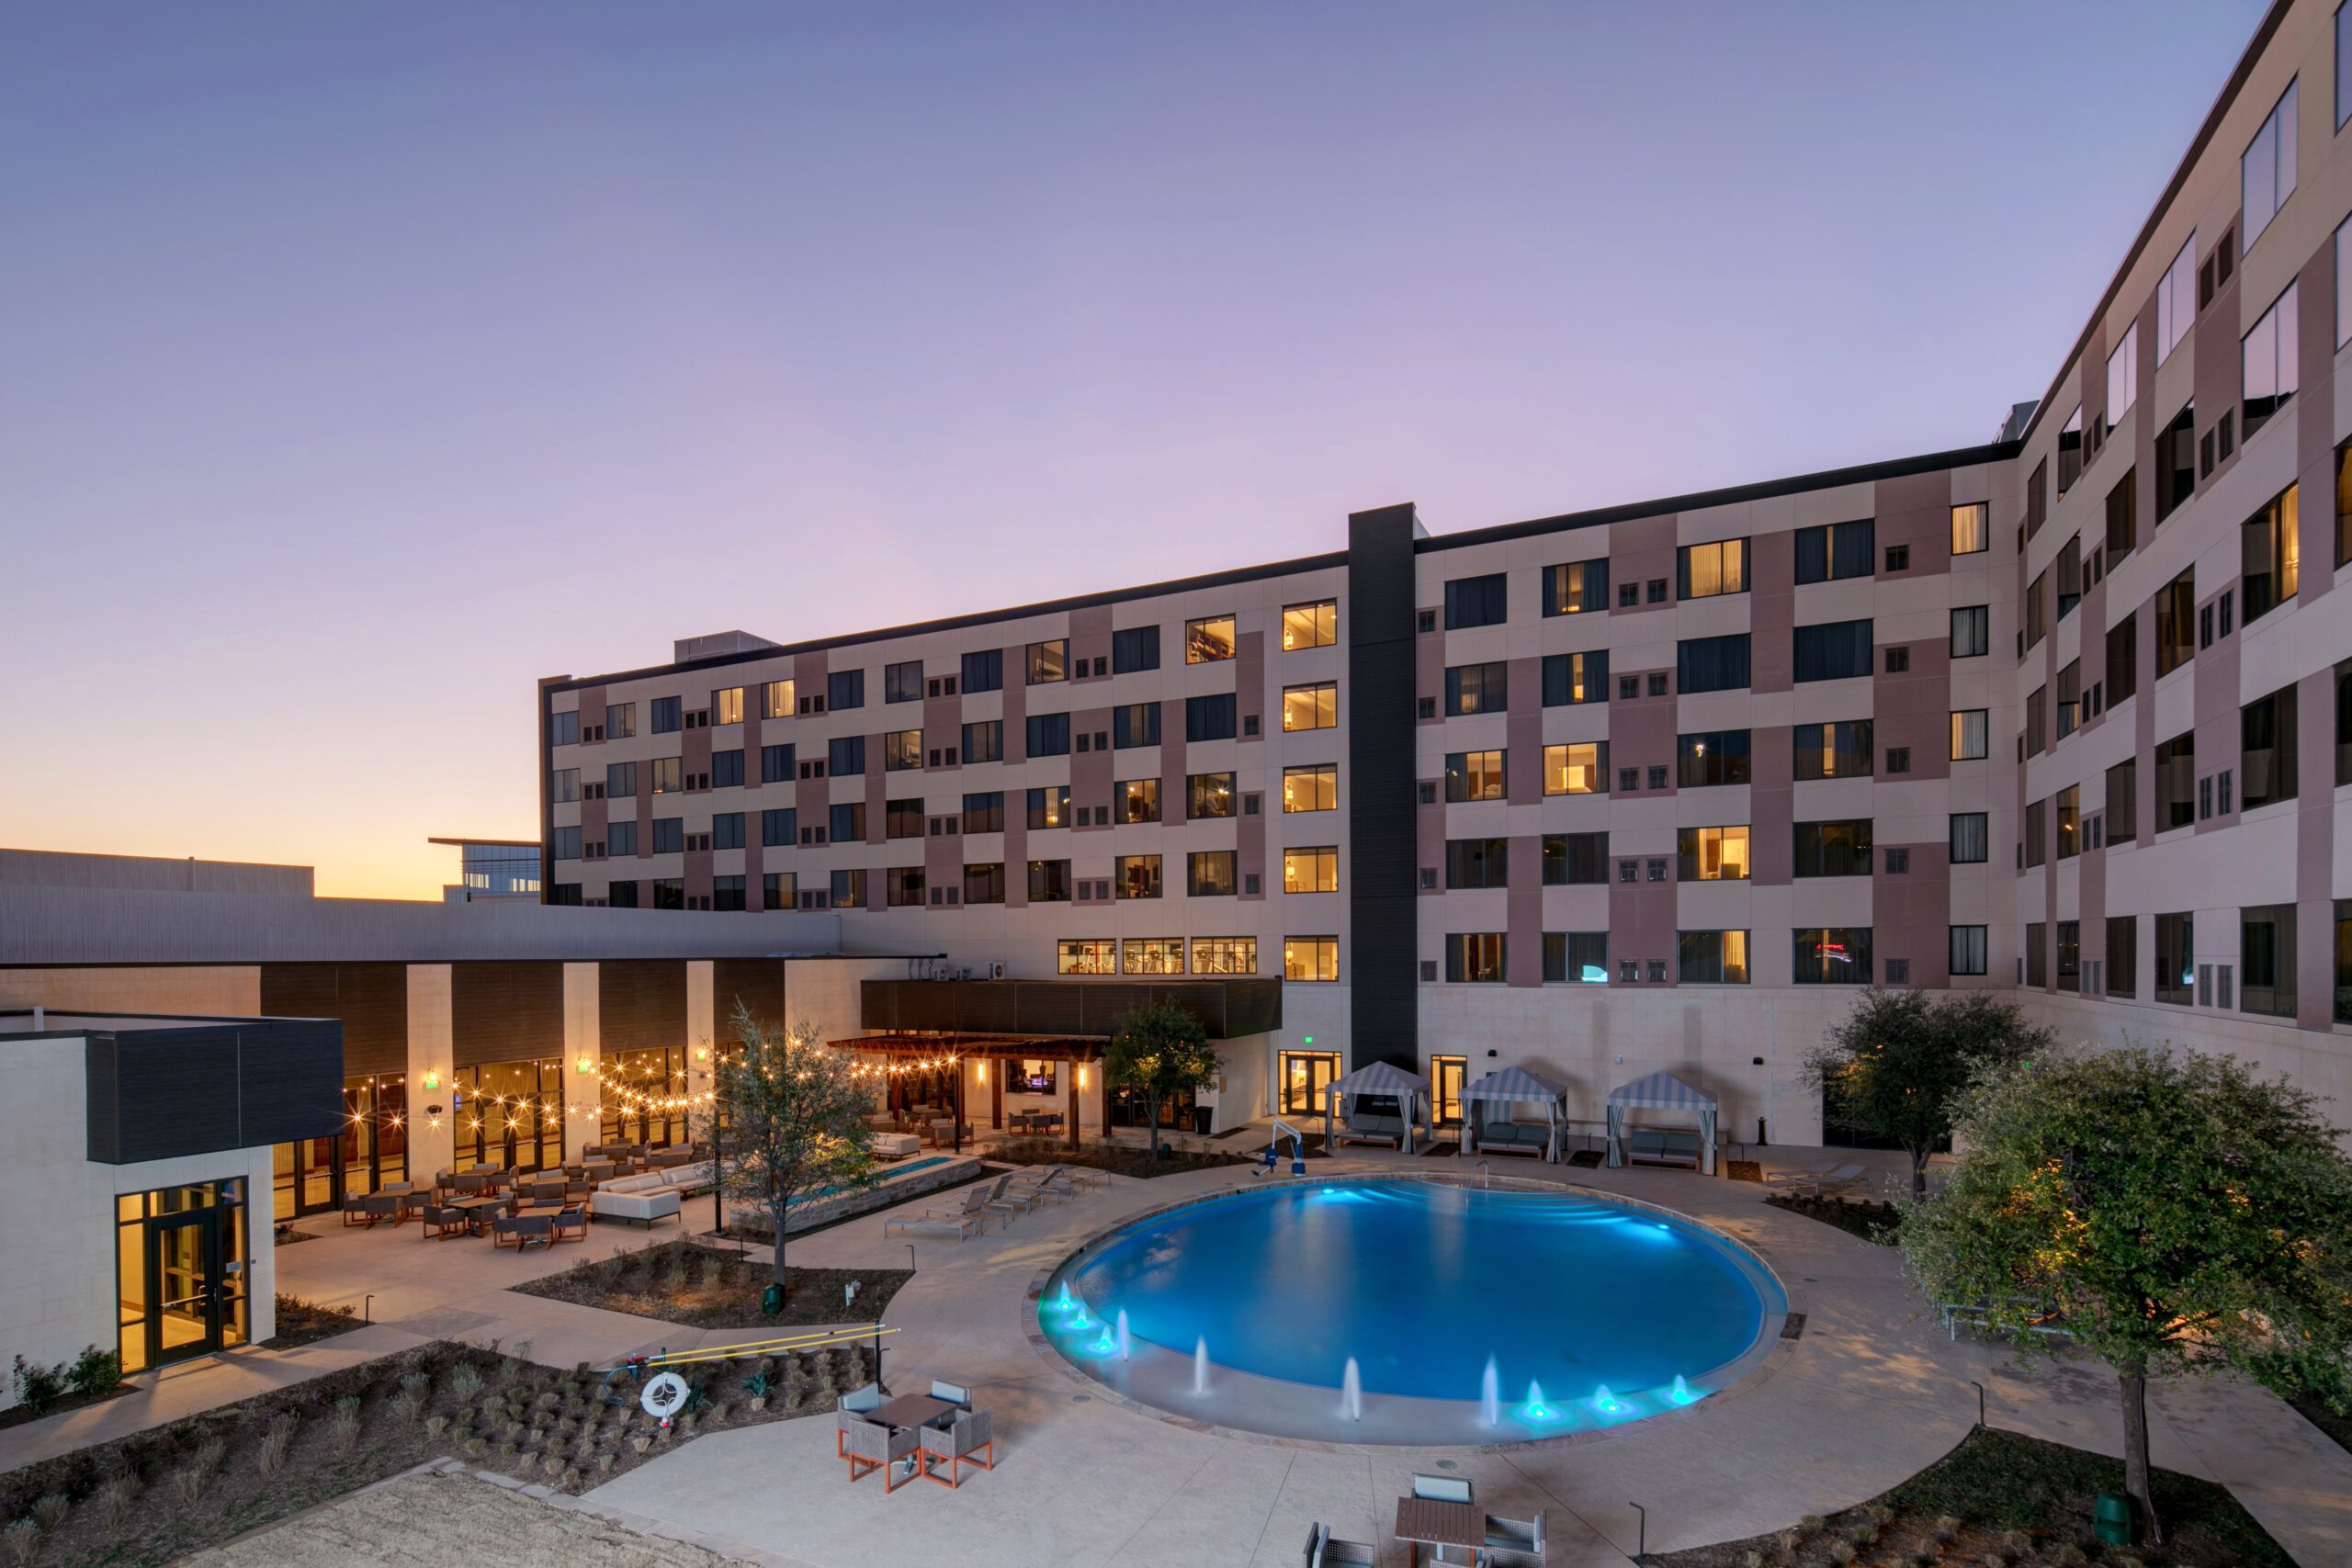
779, 1204
1155, 1126
2134, 1378
1919, 1172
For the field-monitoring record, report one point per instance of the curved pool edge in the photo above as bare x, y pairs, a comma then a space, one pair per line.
1778, 1347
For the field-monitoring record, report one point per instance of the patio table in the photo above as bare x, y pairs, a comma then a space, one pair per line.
478, 1210
910, 1410
1422, 1521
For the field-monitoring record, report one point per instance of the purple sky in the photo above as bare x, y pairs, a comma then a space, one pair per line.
365, 363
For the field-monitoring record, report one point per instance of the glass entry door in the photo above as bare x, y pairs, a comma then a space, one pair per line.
185, 1254
1446, 1077
180, 1272
1305, 1074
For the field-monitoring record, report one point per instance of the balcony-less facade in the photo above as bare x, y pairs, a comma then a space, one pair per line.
1657, 785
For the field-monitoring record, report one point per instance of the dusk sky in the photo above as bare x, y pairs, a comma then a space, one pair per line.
360, 364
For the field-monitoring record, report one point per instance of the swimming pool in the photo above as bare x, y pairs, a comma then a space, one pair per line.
1248, 1311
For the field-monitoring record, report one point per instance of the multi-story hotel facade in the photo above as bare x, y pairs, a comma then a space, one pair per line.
1660, 785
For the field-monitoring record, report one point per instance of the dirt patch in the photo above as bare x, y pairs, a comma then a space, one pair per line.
2337, 1428
1743, 1170
421, 1520
1117, 1158
707, 1287
301, 1322
1867, 1218
207, 1479
2001, 1497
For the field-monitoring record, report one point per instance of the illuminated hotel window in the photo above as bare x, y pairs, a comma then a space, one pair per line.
1311, 789
1581, 768
1311, 707
1310, 626
1208, 640
1310, 958
1714, 854
1153, 956
1311, 870
1088, 956
1225, 955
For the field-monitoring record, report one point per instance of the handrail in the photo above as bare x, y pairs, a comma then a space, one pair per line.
815, 1339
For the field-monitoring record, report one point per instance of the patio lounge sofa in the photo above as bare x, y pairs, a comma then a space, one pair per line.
637, 1199
1662, 1146
1514, 1138
892, 1146
1365, 1128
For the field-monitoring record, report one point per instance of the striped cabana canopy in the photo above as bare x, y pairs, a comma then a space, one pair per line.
1411, 1090
1662, 1091
1515, 1085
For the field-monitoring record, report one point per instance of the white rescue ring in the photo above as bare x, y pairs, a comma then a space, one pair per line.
665, 1395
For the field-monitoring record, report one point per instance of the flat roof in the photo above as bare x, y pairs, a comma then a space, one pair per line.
17, 1023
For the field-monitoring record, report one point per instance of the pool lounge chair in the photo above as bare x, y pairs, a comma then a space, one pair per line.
1003, 1199
1799, 1177
1514, 1543
1052, 1181
971, 1217
1821, 1186
1363, 1128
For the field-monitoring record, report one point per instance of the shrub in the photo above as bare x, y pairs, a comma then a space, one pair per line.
605, 1463
38, 1387
436, 1425
758, 1385
640, 1443
553, 1463
95, 1372
22, 1537
207, 1458
343, 1427
464, 1382
270, 1458
188, 1486
113, 1500
51, 1509
1945, 1530
476, 1447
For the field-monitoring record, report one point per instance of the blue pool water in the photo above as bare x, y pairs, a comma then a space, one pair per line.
889, 1173
1421, 1283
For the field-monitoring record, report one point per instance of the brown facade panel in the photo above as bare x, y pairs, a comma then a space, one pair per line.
1227, 1008
371, 999
756, 983
505, 1012
640, 1004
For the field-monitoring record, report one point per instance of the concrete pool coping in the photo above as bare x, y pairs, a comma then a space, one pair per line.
1777, 1346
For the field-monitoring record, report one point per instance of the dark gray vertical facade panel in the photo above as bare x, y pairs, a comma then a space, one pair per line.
1383, 1018
290, 1081
157, 1094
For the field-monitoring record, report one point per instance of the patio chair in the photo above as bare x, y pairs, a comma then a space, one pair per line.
355, 1209
524, 1228
960, 1442
1003, 1200
440, 1222
570, 1225
954, 1394
869, 1447
1799, 1177
1328, 1550
1515, 1544
1442, 1489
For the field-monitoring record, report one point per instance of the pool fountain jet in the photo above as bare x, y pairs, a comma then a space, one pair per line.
1490, 1395
1351, 1391
1125, 1342
1536, 1410
1200, 1366
1681, 1394
1604, 1400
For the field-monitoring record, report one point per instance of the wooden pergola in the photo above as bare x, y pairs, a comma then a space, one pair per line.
998, 1048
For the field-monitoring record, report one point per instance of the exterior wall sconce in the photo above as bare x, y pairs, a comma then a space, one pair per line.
586, 1066
983, 1070
1081, 1077
431, 1080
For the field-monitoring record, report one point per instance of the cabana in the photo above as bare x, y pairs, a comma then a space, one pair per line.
1410, 1090
1661, 1092
1514, 1086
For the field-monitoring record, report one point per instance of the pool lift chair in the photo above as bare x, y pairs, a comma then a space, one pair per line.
1273, 1144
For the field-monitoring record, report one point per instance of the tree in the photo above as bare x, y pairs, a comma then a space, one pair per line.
787, 1117
1160, 1051
1896, 1061
2170, 1215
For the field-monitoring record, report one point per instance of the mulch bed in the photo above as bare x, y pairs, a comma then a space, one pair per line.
2337, 1428
2002, 1497
1864, 1217
301, 1322
160, 1494
1447, 1147
707, 1287
1584, 1159
1743, 1170
1117, 1158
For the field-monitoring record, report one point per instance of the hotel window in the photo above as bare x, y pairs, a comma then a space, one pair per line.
1837, 956
2122, 380
984, 671
564, 784
2070, 452
776, 699
2344, 503
1714, 855
2070, 698
1474, 958
1971, 838
1967, 955
781, 827
620, 720
1573, 589
1137, 877
1307, 626
1312, 707
2037, 498
1134, 724
1833, 550
2036, 610
1209, 874
778, 889
1310, 958
665, 716
2124, 512
1312, 870
622, 894
2175, 956
2066, 818
1835, 650
1051, 808
2122, 676
902, 887
1135, 800
564, 843
1134, 649
2176, 300
1049, 881
1832, 849
1839, 751
2122, 955
726, 769
2266, 750
1086, 955
2176, 465
2069, 570
2267, 960
1047, 662
1711, 958
1971, 532
1576, 860
845, 755
1477, 862
1472, 775
1475, 601
2120, 816
727, 705
1210, 717
1311, 789
2271, 555
848, 889
2270, 364
1048, 734
982, 813
1473, 688
666, 776
1575, 958
1971, 735
2177, 781
1712, 663
2267, 169
845, 689
727, 830
984, 884
776, 764
563, 728
1972, 631
1208, 640
1704, 570
902, 683
2037, 843
1225, 955
902, 749
1571, 678
1153, 956
1710, 757
620, 780
847, 822
1208, 794
984, 741
2176, 622
2070, 955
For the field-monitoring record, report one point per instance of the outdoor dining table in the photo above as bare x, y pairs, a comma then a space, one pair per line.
911, 1410
1423, 1521
474, 1207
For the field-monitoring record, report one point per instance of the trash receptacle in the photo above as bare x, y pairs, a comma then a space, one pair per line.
772, 1300
1204, 1118
2111, 1519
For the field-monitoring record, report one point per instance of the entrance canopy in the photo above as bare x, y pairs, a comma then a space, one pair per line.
1514, 1086
1410, 1090
1662, 1091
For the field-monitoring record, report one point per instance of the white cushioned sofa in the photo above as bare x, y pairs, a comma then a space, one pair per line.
650, 1195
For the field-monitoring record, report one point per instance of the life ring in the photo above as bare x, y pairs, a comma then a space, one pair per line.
664, 1396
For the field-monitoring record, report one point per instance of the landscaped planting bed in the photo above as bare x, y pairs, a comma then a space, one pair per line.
301, 1322
2004, 1500
162, 1494
707, 1287
1864, 1217
1117, 1158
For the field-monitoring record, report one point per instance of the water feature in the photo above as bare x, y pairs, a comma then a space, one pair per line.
1351, 1391
1200, 1366
1606, 1401
1490, 1393
1682, 1393
1126, 1340
1535, 1410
